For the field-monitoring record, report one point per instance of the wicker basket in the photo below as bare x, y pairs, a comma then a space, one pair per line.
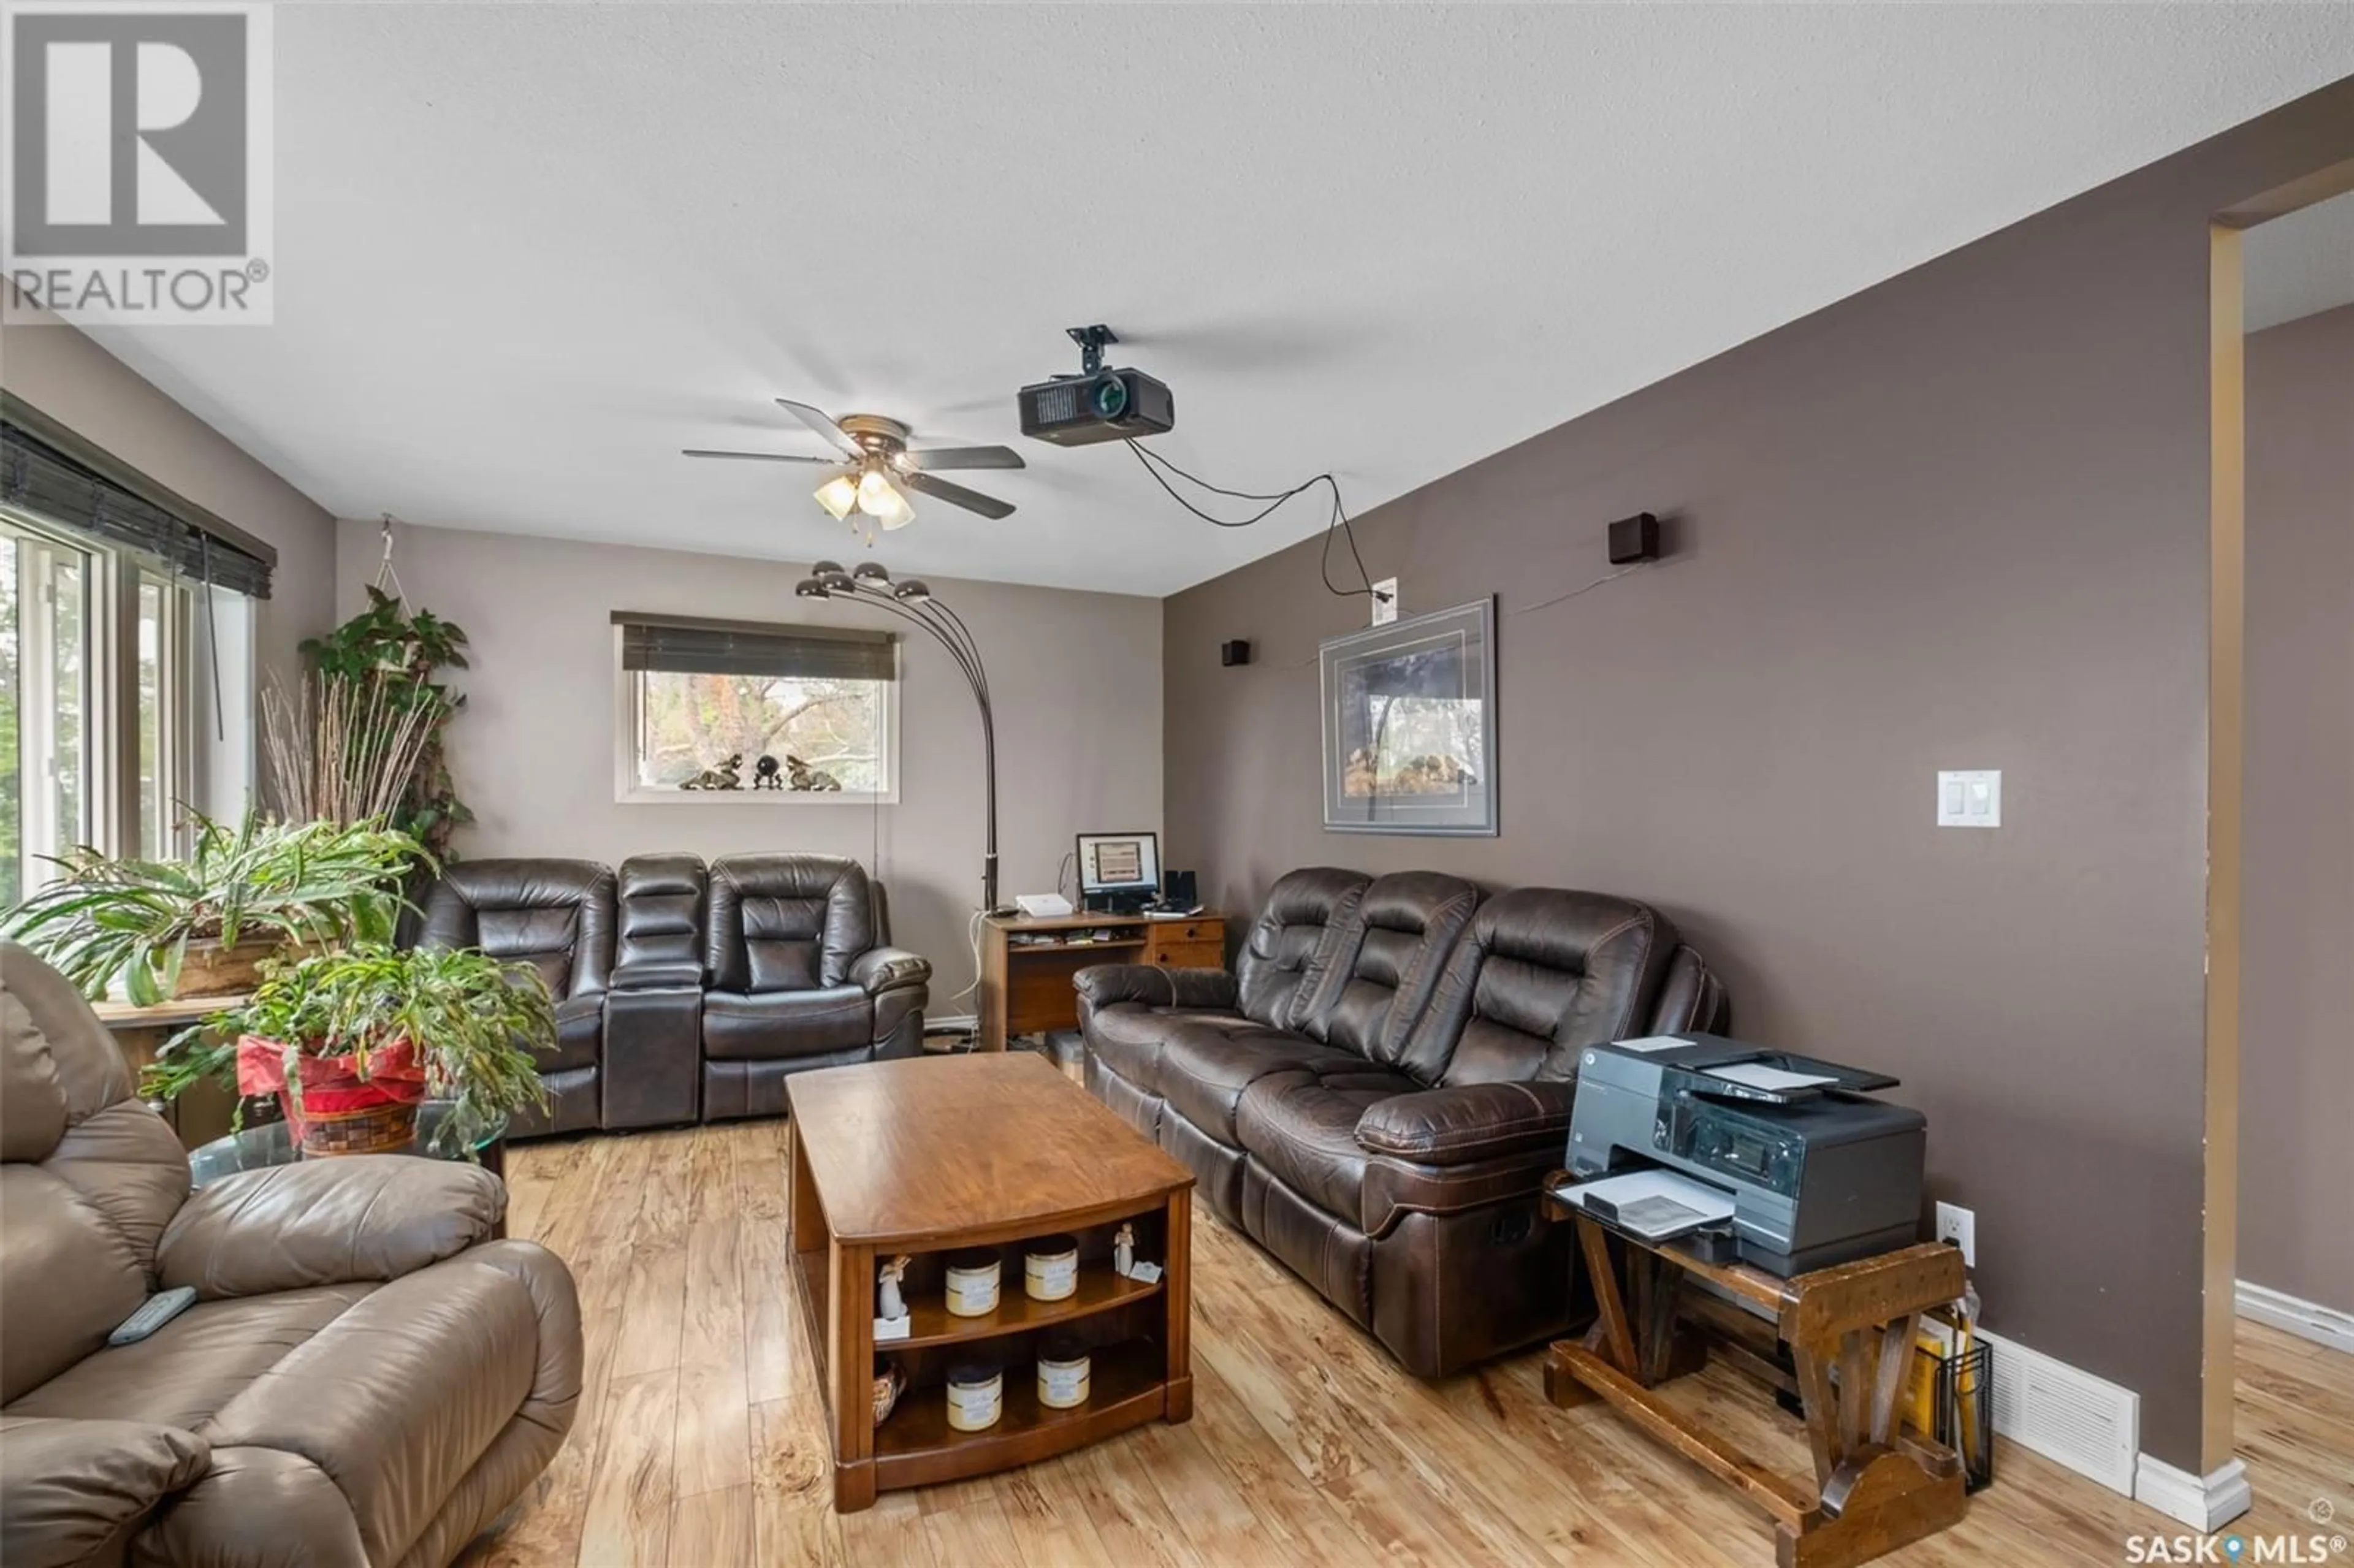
378, 1130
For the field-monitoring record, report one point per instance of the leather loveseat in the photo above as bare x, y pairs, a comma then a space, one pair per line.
1376, 1090
685, 991
365, 1381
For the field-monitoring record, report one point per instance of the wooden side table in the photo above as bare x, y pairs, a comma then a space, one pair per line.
1027, 966
203, 1113
1875, 1488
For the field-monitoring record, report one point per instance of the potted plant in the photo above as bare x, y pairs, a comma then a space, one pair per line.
384, 712
353, 1039
200, 927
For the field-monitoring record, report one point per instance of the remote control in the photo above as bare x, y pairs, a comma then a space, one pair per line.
158, 1311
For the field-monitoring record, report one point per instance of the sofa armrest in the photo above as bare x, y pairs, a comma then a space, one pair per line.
72, 1491
878, 970
328, 1221
657, 974
1103, 985
1472, 1122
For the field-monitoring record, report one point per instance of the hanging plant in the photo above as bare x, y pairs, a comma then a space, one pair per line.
386, 658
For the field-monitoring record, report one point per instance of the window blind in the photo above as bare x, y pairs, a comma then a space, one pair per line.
61, 489
691, 645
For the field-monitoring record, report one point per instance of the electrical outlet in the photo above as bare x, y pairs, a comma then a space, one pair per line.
1959, 1226
1385, 601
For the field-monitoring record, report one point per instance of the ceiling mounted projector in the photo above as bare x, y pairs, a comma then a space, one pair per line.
1097, 404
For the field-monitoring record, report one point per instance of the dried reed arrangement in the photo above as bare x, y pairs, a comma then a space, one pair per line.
348, 751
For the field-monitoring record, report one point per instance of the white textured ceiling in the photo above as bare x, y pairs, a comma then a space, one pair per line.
525, 253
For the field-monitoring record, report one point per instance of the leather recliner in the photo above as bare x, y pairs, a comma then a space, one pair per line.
1376, 1093
365, 1381
798, 976
556, 915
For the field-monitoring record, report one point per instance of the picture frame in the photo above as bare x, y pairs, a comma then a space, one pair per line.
1409, 722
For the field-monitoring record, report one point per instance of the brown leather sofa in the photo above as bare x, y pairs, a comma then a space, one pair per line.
557, 917
1376, 1090
798, 976
365, 1381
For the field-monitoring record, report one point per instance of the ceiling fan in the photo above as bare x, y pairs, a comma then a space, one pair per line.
873, 464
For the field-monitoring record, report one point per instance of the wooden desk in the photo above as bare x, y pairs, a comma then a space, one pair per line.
947, 1154
203, 1113
1025, 986
1875, 1488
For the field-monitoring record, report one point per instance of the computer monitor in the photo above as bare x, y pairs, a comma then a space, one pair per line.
1118, 871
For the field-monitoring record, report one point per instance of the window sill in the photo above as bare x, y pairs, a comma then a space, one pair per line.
753, 797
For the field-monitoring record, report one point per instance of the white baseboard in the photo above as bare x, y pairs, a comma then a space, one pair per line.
2305, 1319
2202, 1502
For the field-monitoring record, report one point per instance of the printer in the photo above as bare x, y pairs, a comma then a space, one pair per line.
1790, 1164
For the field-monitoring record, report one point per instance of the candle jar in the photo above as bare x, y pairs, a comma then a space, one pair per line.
1063, 1368
1050, 1268
976, 1397
972, 1281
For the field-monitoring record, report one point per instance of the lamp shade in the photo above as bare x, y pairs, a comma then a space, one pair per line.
838, 496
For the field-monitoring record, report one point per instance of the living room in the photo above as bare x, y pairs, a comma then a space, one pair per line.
1040, 1003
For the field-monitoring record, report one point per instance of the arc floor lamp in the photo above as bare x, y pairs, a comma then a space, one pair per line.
911, 601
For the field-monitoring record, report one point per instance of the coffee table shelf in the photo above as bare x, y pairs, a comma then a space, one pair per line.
917, 1446
1100, 1290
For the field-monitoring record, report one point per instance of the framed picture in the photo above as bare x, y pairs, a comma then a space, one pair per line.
1410, 725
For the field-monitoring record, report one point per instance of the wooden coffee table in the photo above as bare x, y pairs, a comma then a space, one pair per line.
949, 1154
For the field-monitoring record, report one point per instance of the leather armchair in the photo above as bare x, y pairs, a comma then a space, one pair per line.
798, 977
654, 1015
366, 1379
556, 915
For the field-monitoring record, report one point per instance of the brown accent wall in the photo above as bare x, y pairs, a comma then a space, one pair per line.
1957, 521
2297, 1034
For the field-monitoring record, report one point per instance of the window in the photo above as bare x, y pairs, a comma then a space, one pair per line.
44, 695
712, 710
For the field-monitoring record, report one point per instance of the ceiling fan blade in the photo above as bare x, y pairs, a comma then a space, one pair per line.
819, 420
956, 494
931, 460
759, 457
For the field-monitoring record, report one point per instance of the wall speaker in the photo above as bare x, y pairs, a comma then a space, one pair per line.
1235, 653
1635, 538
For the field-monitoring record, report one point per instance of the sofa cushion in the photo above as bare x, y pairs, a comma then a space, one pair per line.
773, 1025
183, 1373
1292, 945
1406, 925
72, 1491
1303, 1128
1542, 973
1204, 1069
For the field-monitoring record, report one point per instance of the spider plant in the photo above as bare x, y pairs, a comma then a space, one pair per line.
298, 882
474, 1024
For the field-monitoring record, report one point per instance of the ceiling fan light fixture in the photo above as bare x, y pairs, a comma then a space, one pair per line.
839, 496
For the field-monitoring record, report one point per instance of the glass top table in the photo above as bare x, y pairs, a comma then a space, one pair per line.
442, 1133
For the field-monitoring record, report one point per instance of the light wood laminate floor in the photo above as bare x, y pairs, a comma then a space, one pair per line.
700, 1439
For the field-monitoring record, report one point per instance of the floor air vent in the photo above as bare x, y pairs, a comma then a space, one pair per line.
2071, 1418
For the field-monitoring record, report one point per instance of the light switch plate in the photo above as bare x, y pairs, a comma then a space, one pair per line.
1385, 601
1970, 799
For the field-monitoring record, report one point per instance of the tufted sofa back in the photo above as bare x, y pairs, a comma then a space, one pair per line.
1309, 914
1541, 973
553, 915
661, 912
89, 1178
786, 922
1389, 963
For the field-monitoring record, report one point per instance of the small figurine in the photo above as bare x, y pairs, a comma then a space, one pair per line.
804, 777
889, 1303
768, 774
728, 775
1123, 1250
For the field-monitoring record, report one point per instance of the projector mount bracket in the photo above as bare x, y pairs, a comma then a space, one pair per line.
1092, 341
